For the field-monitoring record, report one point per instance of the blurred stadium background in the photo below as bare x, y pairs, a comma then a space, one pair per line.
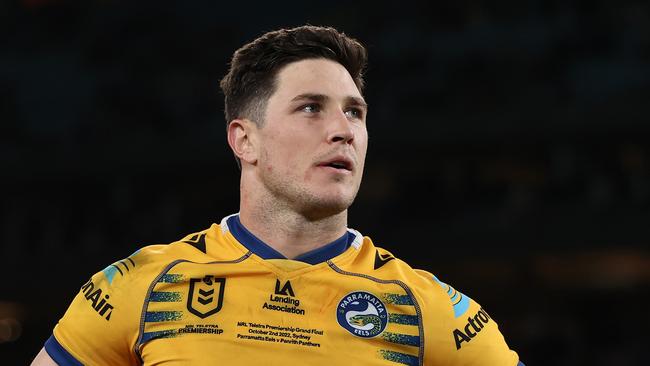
509, 152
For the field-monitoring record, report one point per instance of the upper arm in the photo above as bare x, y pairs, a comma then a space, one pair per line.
465, 333
43, 359
102, 323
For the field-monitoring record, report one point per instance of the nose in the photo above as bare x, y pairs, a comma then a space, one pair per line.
340, 129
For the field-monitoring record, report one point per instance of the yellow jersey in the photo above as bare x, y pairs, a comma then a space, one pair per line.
223, 297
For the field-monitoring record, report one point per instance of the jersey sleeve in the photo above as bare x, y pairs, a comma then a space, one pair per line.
461, 332
102, 323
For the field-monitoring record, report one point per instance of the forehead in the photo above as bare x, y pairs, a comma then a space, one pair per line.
319, 76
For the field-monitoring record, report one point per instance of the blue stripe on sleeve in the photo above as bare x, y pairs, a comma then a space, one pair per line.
520, 364
59, 354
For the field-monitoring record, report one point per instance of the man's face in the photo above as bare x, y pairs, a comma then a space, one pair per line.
313, 141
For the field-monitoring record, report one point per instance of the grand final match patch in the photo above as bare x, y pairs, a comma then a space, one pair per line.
362, 314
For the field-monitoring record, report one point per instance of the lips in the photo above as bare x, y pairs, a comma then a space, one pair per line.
338, 162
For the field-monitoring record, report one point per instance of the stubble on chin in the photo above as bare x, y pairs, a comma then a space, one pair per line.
286, 190
314, 203
320, 207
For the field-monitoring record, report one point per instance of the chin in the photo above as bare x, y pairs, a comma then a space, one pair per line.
325, 206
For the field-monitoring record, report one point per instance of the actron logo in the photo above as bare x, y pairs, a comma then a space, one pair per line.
473, 327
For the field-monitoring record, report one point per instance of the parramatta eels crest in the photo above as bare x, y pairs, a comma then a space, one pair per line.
362, 314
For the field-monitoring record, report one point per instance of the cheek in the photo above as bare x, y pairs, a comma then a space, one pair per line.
362, 143
282, 155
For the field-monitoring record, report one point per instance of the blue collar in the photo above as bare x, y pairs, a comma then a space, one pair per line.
263, 250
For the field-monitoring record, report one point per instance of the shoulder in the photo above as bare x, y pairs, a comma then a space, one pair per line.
133, 275
380, 263
116, 287
433, 295
462, 329
150, 260
102, 322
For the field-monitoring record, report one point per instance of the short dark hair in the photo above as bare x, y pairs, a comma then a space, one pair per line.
251, 79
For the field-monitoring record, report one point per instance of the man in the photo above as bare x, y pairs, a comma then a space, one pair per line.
284, 281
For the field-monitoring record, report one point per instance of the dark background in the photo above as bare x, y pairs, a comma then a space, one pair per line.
509, 152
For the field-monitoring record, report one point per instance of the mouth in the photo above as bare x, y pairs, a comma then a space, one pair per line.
339, 163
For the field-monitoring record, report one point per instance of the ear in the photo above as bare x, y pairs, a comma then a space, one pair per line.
241, 138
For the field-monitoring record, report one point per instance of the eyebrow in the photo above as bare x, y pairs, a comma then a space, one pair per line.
314, 97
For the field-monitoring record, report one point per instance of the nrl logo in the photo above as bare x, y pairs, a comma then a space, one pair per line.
205, 296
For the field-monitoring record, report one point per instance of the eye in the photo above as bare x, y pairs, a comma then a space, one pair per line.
354, 113
311, 108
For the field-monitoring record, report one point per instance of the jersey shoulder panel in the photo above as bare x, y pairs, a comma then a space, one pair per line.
461, 330
457, 330
369, 259
102, 323
210, 245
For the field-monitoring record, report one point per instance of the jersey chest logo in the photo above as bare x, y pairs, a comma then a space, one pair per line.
362, 314
205, 296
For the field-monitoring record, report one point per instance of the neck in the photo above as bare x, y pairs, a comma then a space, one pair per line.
286, 230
